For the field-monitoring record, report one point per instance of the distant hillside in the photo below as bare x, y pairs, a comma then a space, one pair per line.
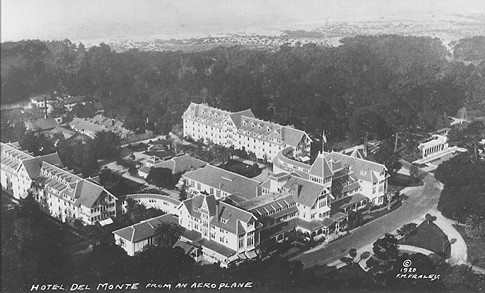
470, 49
23, 70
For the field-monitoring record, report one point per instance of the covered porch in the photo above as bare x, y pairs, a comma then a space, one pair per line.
354, 203
313, 230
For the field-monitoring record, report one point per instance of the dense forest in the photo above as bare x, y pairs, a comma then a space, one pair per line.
369, 86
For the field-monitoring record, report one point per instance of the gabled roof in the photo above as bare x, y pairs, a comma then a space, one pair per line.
66, 133
362, 169
50, 170
194, 204
90, 193
228, 217
144, 229
304, 192
34, 165
236, 117
356, 153
292, 136
205, 112
41, 124
181, 164
227, 181
320, 168
245, 121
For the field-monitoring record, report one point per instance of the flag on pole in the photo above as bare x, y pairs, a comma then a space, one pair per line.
324, 137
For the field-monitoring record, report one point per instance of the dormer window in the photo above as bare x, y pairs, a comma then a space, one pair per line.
252, 124
259, 126
223, 221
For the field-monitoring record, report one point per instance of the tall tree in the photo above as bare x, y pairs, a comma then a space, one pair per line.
108, 145
183, 192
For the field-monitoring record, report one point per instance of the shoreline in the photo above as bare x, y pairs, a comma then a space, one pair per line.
447, 27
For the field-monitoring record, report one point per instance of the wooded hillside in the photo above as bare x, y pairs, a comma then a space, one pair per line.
370, 85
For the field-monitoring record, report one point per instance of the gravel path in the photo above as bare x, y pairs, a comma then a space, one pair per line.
459, 252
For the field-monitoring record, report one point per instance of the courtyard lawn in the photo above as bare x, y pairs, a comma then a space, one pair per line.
476, 248
242, 168
429, 236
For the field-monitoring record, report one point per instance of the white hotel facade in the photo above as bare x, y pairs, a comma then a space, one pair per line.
59, 192
242, 131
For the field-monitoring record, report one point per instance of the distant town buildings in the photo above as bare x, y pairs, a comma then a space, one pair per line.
67, 101
59, 192
242, 130
41, 101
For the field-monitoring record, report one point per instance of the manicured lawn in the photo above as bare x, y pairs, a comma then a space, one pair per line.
429, 236
476, 248
242, 169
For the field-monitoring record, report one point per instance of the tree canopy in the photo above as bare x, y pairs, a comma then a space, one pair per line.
370, 85
464, 187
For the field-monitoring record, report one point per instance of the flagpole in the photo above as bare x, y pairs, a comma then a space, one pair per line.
324, 140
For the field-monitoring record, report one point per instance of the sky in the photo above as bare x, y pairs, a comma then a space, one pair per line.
111, 19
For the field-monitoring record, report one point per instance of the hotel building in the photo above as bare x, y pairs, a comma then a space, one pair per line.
59, 192
224, 232
242, 130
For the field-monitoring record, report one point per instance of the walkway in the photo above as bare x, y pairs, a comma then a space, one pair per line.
415, 249
459, 251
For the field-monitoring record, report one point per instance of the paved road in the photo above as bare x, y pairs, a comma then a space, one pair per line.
420, 201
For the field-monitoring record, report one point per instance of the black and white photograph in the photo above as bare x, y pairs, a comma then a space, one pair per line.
242, 146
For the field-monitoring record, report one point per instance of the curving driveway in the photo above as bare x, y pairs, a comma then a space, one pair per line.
421, 200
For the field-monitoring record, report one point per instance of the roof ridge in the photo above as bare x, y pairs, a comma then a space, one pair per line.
235, 207
239, 175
